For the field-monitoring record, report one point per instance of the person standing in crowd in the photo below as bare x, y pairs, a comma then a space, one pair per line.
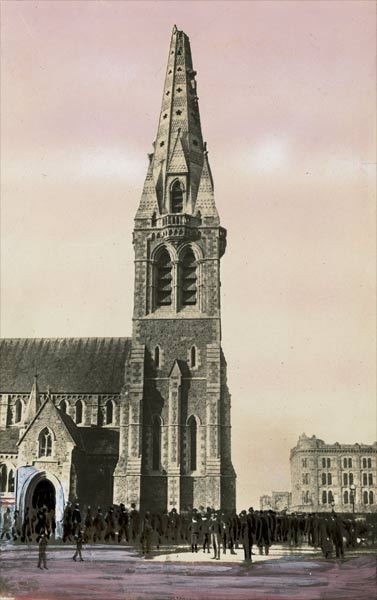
110, 525
16, 529
26, 527
215, 535
146, 536
123, 524
194, 529
76, 519
79, 542
7, 524
67, 522
245, 535
135, 523
88, 522
98, 525
263, 534
42, 550
337, 532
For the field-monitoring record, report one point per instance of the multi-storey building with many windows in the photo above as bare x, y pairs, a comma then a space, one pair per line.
339, 476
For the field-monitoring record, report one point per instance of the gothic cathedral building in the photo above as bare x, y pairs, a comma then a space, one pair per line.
146, 419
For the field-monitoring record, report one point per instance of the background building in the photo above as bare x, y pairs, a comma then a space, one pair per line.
339, 476
278, 501
145, 419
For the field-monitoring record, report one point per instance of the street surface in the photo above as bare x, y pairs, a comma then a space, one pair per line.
120, 573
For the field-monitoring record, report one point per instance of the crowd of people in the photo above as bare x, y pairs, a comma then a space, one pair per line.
204, 529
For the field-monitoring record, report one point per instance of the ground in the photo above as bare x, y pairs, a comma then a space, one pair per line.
121, 573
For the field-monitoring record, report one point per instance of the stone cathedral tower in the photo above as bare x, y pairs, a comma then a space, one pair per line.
175, 432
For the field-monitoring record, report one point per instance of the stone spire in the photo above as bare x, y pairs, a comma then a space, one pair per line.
179, 152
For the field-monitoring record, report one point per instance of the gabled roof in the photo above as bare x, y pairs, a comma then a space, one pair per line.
66, 365
67, 422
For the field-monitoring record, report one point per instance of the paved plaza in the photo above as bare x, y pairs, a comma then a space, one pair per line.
120, 573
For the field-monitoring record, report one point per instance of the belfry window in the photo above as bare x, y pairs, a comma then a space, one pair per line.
193, 443
156, 443
45, 443
177, 197
189, 279
164, 279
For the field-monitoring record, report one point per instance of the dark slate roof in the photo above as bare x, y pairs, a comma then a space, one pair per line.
99, 440
8, 441
66, 365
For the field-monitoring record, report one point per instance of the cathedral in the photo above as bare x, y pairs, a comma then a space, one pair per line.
146, 419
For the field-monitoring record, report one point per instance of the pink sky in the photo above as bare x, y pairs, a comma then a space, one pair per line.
288, 109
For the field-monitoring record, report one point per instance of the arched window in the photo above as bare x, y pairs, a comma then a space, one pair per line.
3, 478
350, 478
156, 443
79, 410
365, 479
63, 406
18, 415
345, 479
193, 443
350, 463
176, 197
365, 497
193, 357
345, 463
323, 478
307, 497
370, 479
328, 463
329, 478
369, 463
188, 279
364, 463
323, 463
157, 356
330, 497
45, 443
371, 498
164, 279
11, 481
324, 497
345, 497
109, 412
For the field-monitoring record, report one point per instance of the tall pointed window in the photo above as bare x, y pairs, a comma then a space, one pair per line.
345, 497
157, 356
188, 278
156, 443
193, 435
164, 279
109, 412
18, 415
193, 357
79, 410
3, 478
11, 481
45, 443
176, 197
63, 406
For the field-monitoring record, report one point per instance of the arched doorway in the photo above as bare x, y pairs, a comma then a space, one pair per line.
44, 495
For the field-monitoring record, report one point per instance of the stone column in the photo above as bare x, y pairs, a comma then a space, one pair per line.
174, 458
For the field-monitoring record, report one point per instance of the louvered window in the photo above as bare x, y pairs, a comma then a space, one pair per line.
177, 197
189, 279
164, 280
